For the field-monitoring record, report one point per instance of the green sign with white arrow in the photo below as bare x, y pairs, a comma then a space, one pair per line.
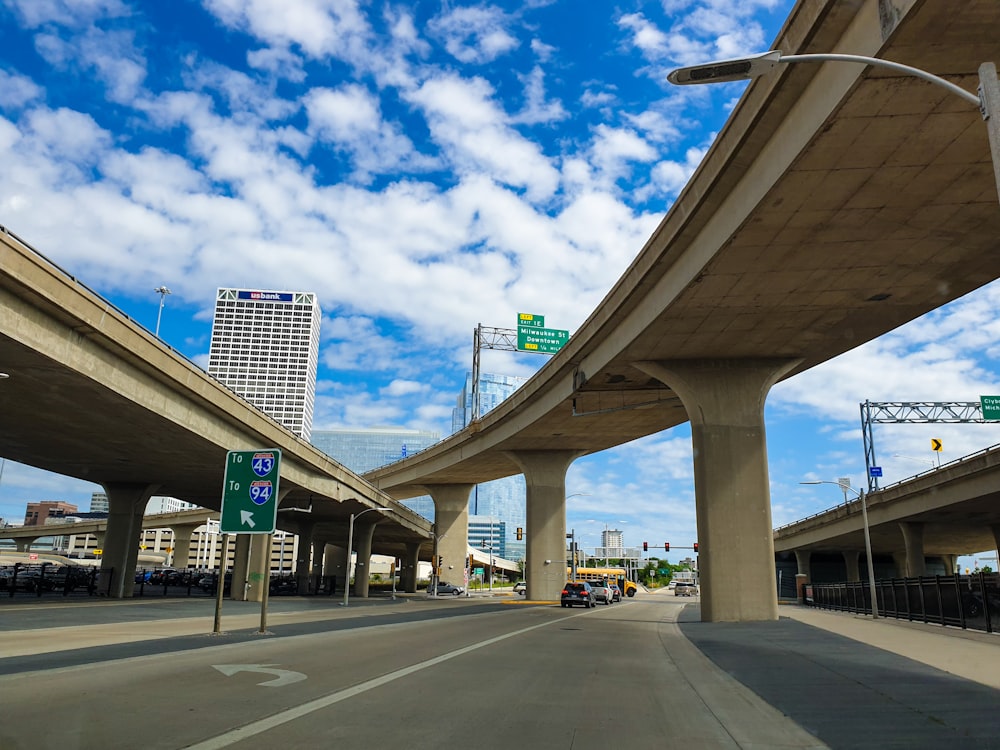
250, 492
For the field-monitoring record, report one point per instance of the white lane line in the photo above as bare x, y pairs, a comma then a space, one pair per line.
263, 725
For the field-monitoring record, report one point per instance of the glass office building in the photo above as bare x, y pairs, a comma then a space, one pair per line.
362, 450
265, 347
502, 499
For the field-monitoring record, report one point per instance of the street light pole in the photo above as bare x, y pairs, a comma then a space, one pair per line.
742, 69
868, 541
163, 292
350, 545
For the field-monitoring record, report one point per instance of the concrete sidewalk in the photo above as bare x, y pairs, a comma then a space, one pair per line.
971, 654
855, 683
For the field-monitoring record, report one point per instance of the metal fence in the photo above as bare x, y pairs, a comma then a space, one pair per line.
971, 602
50, 580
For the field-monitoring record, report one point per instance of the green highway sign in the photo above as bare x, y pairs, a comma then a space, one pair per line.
541, 340
250, 492
530, 320
991, 406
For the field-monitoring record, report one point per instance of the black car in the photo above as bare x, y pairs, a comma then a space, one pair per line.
578, 592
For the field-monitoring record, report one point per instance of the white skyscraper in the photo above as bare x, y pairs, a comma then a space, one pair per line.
265, 347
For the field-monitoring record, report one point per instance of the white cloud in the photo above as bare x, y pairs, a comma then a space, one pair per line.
537, 109
349, 119
404, 388
17, 90
320, 28
74, 13
472, 130
473, 35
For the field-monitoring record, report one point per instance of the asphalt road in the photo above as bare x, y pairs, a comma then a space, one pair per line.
417, 674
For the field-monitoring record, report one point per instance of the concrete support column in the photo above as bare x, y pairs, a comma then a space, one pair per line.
318, 547
126, 506
724, 400
23, 545
545, 522
182, 544
241, 567
260, 566
363, 535
335, 560
913, 538
451, 528
851, 563
802, 558
950, 564
302, 555
408, 573
995, 528
899, 562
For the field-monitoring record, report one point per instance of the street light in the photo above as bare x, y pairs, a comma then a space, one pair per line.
350, 545
163, 292
742, 69
868, 540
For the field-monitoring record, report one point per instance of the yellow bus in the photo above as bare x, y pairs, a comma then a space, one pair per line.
615, 575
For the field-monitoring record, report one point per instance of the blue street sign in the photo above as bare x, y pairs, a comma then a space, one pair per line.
875, 471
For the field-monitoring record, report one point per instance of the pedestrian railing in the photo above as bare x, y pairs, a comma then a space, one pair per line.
963, 601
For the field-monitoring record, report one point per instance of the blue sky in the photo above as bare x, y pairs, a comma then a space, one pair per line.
424, 168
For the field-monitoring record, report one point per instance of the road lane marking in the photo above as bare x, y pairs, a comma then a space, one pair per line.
270, 722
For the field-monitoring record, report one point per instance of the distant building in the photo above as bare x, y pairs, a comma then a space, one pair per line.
362, 450
157, 504
46, 511
486, 532
612, 544
99, 503
265, 347
504, 498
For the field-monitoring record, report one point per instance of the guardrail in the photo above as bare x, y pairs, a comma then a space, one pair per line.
970, 602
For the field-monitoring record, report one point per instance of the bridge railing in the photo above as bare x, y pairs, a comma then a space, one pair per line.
854, 506
971, 602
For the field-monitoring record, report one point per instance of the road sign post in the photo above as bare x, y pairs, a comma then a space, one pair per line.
250, 492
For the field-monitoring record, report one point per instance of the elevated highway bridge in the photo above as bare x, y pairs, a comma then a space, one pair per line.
838, 202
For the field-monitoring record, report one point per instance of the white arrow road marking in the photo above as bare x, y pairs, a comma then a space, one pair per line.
282, 676
270, 722
246, 517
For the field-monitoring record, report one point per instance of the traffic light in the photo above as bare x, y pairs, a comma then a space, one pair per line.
520, 533
666, 546
438, 561
472, 563
696, 546
645, 546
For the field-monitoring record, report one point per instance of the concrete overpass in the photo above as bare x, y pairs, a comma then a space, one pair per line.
838, 203
93, 395
944, 512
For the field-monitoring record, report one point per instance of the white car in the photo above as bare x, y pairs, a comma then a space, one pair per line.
521, 588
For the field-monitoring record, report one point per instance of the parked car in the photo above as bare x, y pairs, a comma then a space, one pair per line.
444, 588
683, 588
616, 592
207, 583
521, 587
577, 592
602, 591
287, 585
